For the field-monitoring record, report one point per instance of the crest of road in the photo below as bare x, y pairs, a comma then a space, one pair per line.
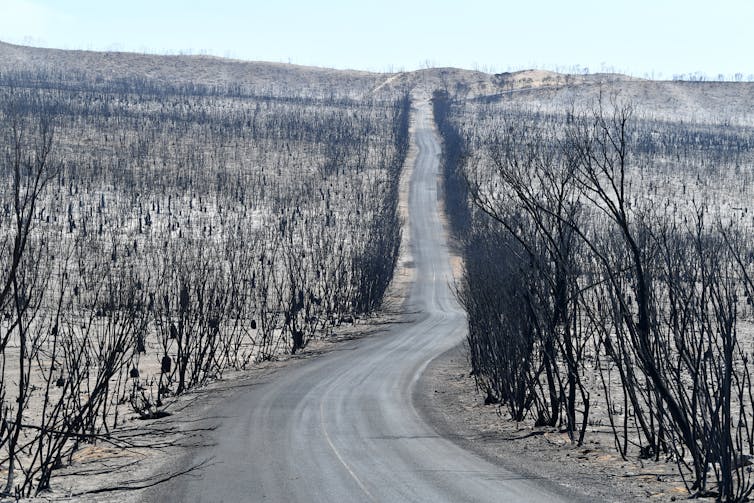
345, 427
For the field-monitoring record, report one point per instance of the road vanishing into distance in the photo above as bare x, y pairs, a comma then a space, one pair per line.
344, 427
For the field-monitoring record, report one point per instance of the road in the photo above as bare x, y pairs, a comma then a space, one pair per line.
343, 427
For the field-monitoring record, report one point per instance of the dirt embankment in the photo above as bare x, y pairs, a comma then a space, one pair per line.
448, 397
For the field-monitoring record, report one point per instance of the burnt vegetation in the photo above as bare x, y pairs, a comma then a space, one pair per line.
158, 232
154, 236
608, 277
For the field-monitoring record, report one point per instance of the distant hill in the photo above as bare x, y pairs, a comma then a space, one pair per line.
177, 70
707, 102
702, 101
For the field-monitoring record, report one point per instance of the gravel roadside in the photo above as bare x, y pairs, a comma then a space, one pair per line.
447, 397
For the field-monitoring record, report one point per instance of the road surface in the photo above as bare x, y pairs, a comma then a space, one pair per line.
343, 427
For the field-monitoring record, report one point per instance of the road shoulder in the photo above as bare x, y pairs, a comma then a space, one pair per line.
447, 398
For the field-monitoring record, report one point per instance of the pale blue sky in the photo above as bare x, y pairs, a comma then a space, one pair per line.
640, 37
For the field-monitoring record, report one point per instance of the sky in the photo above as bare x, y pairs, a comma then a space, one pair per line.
655, 38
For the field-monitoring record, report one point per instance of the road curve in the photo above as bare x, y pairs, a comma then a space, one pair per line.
343, 427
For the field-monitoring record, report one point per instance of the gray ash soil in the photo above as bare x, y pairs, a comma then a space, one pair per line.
447, 396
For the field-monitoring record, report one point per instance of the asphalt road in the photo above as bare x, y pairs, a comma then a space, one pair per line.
344, 427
